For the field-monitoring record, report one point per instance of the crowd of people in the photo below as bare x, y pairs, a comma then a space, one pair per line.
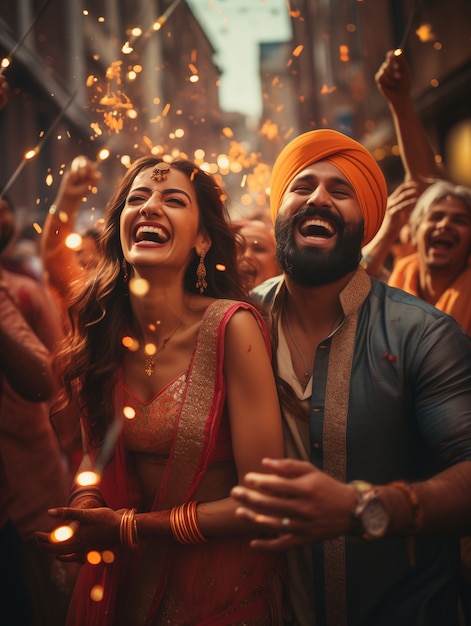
276, 418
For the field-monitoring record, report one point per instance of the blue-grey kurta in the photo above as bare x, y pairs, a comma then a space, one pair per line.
391, 400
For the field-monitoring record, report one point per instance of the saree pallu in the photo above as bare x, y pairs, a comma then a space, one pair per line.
220, 582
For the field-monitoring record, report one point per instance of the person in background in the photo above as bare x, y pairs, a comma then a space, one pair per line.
376, 400
257, 263
34, 466
160, 332
418, 158
25, 367
31, 469
87, 253
439, 271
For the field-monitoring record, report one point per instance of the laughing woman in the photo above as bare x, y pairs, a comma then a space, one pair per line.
200, 384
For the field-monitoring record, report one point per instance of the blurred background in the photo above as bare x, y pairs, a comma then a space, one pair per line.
225, 82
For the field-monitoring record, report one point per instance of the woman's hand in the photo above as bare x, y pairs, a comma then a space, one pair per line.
93, 529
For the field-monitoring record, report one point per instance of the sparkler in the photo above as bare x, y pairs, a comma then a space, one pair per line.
407, 30
164, 17
30, 154
6, 61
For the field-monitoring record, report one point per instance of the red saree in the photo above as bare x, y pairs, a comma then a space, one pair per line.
220, 582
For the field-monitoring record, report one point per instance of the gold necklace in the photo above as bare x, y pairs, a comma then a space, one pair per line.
335, 326
306, 372
150, 350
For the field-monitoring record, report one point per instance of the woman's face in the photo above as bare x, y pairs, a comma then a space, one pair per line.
160, 221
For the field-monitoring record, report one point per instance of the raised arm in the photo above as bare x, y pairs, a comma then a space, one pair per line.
399, 207
394, 82
60, 263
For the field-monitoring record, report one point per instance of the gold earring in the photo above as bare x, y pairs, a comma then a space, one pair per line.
201, 283
125, 269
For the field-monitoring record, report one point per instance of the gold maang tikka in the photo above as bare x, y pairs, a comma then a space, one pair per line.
160, 172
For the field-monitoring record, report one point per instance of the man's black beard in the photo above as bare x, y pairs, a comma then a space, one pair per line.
310, 266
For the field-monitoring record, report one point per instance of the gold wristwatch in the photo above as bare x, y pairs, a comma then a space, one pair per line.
370, 518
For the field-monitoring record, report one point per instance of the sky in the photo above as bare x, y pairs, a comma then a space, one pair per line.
235, 28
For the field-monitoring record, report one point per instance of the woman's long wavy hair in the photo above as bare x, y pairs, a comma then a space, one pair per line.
100, 313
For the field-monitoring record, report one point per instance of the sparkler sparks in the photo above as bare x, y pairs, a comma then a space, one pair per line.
6, 61
30, 154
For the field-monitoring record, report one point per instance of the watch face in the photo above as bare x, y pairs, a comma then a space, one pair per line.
375, 518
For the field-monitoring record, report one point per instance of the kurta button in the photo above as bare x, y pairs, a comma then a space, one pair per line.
316, 409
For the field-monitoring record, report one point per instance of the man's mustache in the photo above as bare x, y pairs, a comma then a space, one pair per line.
324, 213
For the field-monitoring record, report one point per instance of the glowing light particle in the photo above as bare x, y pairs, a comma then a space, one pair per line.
150, 349
87, 478
94, 557
30, 154
96, 593
139, 286
73, 241
128, 412
103, 154
425, 32
130, 343
62, 533
108, 556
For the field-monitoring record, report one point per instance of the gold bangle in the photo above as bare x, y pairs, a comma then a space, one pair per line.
128, 535
83, 492
184, 524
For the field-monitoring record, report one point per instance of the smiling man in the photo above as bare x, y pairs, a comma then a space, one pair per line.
376, 398
439, 272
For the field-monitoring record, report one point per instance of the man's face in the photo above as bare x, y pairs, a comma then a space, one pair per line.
443, 238
319, 227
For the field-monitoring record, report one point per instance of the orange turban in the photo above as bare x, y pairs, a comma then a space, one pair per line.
349, 156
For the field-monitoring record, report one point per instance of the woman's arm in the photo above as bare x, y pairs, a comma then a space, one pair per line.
255, 420
60, 263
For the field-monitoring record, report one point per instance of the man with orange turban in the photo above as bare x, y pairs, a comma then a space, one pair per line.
376, 398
